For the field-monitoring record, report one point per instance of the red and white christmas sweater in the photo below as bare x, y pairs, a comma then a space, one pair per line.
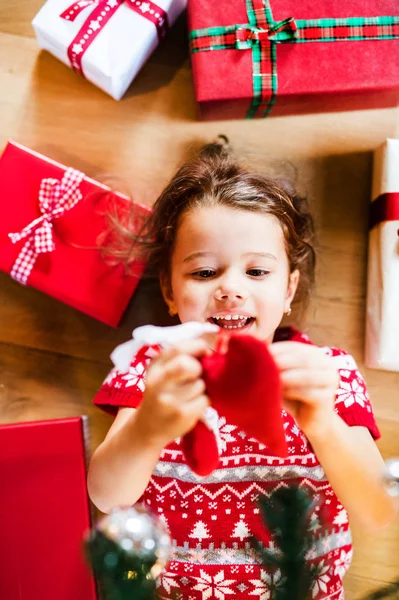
213, 519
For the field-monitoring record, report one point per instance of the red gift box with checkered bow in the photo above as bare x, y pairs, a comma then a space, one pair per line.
271, 58
51, 221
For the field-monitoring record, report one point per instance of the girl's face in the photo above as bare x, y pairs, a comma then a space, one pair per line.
230, 267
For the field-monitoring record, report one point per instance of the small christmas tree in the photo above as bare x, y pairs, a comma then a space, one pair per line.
200, 531
241, 531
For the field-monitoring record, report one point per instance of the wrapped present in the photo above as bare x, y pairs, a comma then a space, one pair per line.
382, 322
106, 41
258, 57
44, 511
51, 221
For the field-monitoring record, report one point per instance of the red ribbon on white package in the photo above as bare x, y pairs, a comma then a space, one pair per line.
55, 198
384, 208
100, 16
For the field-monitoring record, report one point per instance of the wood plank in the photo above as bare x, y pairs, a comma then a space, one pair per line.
38, 385
16, 16
389, 442
360, 588
376, 555
34, 320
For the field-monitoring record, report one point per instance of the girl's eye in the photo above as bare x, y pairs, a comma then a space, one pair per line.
204, 274
257, 272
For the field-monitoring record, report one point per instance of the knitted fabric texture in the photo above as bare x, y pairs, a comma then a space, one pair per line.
213, 519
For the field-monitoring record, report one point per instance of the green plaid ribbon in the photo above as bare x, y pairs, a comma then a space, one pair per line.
262, 33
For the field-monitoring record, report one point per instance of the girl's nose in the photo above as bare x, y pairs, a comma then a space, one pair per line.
228, 295
230, 291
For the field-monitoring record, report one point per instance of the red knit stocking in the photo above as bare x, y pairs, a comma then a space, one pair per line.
244, 387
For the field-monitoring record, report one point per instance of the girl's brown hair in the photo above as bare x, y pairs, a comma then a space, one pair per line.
215, 177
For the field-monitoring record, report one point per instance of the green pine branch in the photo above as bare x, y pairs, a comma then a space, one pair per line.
121, 576
286, 515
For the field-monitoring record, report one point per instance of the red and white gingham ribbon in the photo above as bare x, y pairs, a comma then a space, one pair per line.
55, 198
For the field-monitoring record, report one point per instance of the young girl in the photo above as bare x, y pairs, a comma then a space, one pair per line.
234, 248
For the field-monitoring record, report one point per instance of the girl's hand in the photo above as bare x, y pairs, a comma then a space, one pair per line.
309, 383
174, 398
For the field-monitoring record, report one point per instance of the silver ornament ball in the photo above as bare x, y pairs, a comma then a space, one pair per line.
391, 476
140, 533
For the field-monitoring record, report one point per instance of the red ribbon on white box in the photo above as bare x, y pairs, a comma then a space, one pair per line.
100, 16
384, 208
55, 198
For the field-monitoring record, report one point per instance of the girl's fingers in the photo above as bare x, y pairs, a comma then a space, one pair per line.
178, 370
165, 355
196, 407
302, 365
189, 391
197, 347
291, 355
315, 378
309, 395
184, 403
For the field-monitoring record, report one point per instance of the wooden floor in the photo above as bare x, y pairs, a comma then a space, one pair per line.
52, 358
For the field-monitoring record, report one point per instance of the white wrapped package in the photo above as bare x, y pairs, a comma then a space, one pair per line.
382, 309
106, 41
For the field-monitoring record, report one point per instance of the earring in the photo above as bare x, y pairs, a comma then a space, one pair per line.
288, 312
172, 310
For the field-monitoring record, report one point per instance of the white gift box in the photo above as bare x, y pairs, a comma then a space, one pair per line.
108, 40
382, 309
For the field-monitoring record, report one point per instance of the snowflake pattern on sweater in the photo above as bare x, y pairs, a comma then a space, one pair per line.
212, 519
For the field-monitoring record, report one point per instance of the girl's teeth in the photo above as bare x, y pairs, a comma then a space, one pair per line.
222, 320
231, 317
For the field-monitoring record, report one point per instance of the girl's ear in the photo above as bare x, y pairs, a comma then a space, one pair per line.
167, 295
292, 288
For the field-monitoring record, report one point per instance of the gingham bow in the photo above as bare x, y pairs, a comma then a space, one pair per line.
55, 198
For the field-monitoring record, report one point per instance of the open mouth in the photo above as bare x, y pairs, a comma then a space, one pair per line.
232, 321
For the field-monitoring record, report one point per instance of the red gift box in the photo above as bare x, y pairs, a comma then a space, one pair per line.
63, 221
310, 76
44, 511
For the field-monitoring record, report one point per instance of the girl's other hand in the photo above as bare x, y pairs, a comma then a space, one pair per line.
174, 398
309, 381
